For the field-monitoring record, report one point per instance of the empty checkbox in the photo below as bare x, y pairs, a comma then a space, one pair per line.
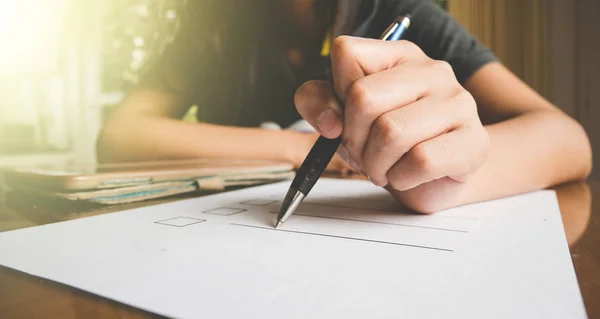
180, 221
225, 211
259, 202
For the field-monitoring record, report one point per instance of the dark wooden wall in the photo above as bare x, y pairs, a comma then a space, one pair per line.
553, 45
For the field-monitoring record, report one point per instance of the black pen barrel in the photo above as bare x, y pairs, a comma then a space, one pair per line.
315, 164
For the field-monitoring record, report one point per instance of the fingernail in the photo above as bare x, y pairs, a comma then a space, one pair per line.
327, 122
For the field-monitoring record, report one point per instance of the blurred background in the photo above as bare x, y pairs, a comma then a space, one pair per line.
65, 64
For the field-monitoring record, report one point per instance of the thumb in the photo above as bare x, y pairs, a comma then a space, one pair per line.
317, 104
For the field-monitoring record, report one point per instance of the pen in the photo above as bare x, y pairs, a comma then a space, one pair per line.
321, 153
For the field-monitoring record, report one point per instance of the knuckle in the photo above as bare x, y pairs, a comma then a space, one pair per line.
398, 179
421, 159
464, 99
442, 70
442, 66
464, 96
386, 130
342, 46
359, 98
410, 46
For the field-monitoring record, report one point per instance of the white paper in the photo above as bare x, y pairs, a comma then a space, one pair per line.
348, 252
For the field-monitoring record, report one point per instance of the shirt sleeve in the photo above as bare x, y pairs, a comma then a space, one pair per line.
439, 35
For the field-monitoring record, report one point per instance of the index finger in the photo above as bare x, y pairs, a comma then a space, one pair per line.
353, 58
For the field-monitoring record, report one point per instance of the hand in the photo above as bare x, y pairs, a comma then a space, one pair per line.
407, 122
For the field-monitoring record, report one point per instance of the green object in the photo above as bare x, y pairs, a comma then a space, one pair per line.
191, 115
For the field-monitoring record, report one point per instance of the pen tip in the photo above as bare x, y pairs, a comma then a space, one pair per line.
278, 223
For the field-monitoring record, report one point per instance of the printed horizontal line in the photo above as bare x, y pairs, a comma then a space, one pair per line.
383, 210
383, 223
344, 237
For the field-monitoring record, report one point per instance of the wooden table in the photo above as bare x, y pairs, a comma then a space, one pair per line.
24, 296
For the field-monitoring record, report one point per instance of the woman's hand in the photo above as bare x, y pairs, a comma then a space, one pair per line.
406, 123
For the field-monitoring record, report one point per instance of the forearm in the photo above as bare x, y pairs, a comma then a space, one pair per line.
532, 151
154, 138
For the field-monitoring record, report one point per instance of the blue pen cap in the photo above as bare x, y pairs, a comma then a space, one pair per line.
396, 29
403, 24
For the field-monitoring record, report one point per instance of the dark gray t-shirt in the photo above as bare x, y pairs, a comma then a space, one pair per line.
236, 79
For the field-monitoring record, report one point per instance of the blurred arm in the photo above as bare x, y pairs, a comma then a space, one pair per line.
147, 126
